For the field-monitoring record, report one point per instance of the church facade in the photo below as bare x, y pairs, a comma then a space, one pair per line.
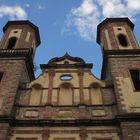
67, 102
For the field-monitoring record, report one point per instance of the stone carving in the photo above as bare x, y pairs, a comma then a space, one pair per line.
31, 113
98, 113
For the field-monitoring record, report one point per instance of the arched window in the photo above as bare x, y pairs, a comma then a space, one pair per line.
65, 94
96, 95
11, 42
35, 95
122, 40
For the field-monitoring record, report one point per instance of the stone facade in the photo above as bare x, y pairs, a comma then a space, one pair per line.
67, 101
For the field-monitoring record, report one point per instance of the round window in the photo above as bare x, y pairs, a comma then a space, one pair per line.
66, 77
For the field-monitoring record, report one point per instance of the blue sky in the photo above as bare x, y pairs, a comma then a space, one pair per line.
69, 25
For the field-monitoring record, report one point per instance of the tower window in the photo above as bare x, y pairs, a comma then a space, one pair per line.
135, 75
1, 75
122, 40
11, 42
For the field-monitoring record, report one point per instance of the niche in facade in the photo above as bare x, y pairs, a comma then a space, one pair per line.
65, 94
36, 95
95, 93
1, 76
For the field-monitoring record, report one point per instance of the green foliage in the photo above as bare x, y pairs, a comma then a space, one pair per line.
22, 85
109, 82
132, 108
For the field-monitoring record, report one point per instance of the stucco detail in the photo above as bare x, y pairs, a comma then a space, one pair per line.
64, 136
31, 113
73, 81
43, 80
66, 61
64, 95
90, 79
27, 36
108, 39
108, 136
98, 113
29, 136
96, 96
79, 91
35, 96
15, 33
65, 114
45, 96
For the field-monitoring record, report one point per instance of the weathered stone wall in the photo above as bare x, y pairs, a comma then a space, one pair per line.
70, 133
109, 36
13, 73
125, 92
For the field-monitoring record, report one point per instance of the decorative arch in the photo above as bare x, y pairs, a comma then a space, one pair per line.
95, 94
95, 85
11, 42
66, 84
65, 94
37, 86
36, 94
123, 40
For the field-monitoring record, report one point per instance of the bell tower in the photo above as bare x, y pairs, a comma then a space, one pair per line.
117, 34
20, 35
17, 49
121, 61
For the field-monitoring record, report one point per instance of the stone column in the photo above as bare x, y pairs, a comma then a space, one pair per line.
51, 76
80, 75
4, 130
46, 133
83, 133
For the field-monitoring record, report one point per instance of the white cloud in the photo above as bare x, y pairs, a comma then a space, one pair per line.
14, 12
134, 4
112, 8
119, 8
40, 7
27, 5
86, 17
86, 8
